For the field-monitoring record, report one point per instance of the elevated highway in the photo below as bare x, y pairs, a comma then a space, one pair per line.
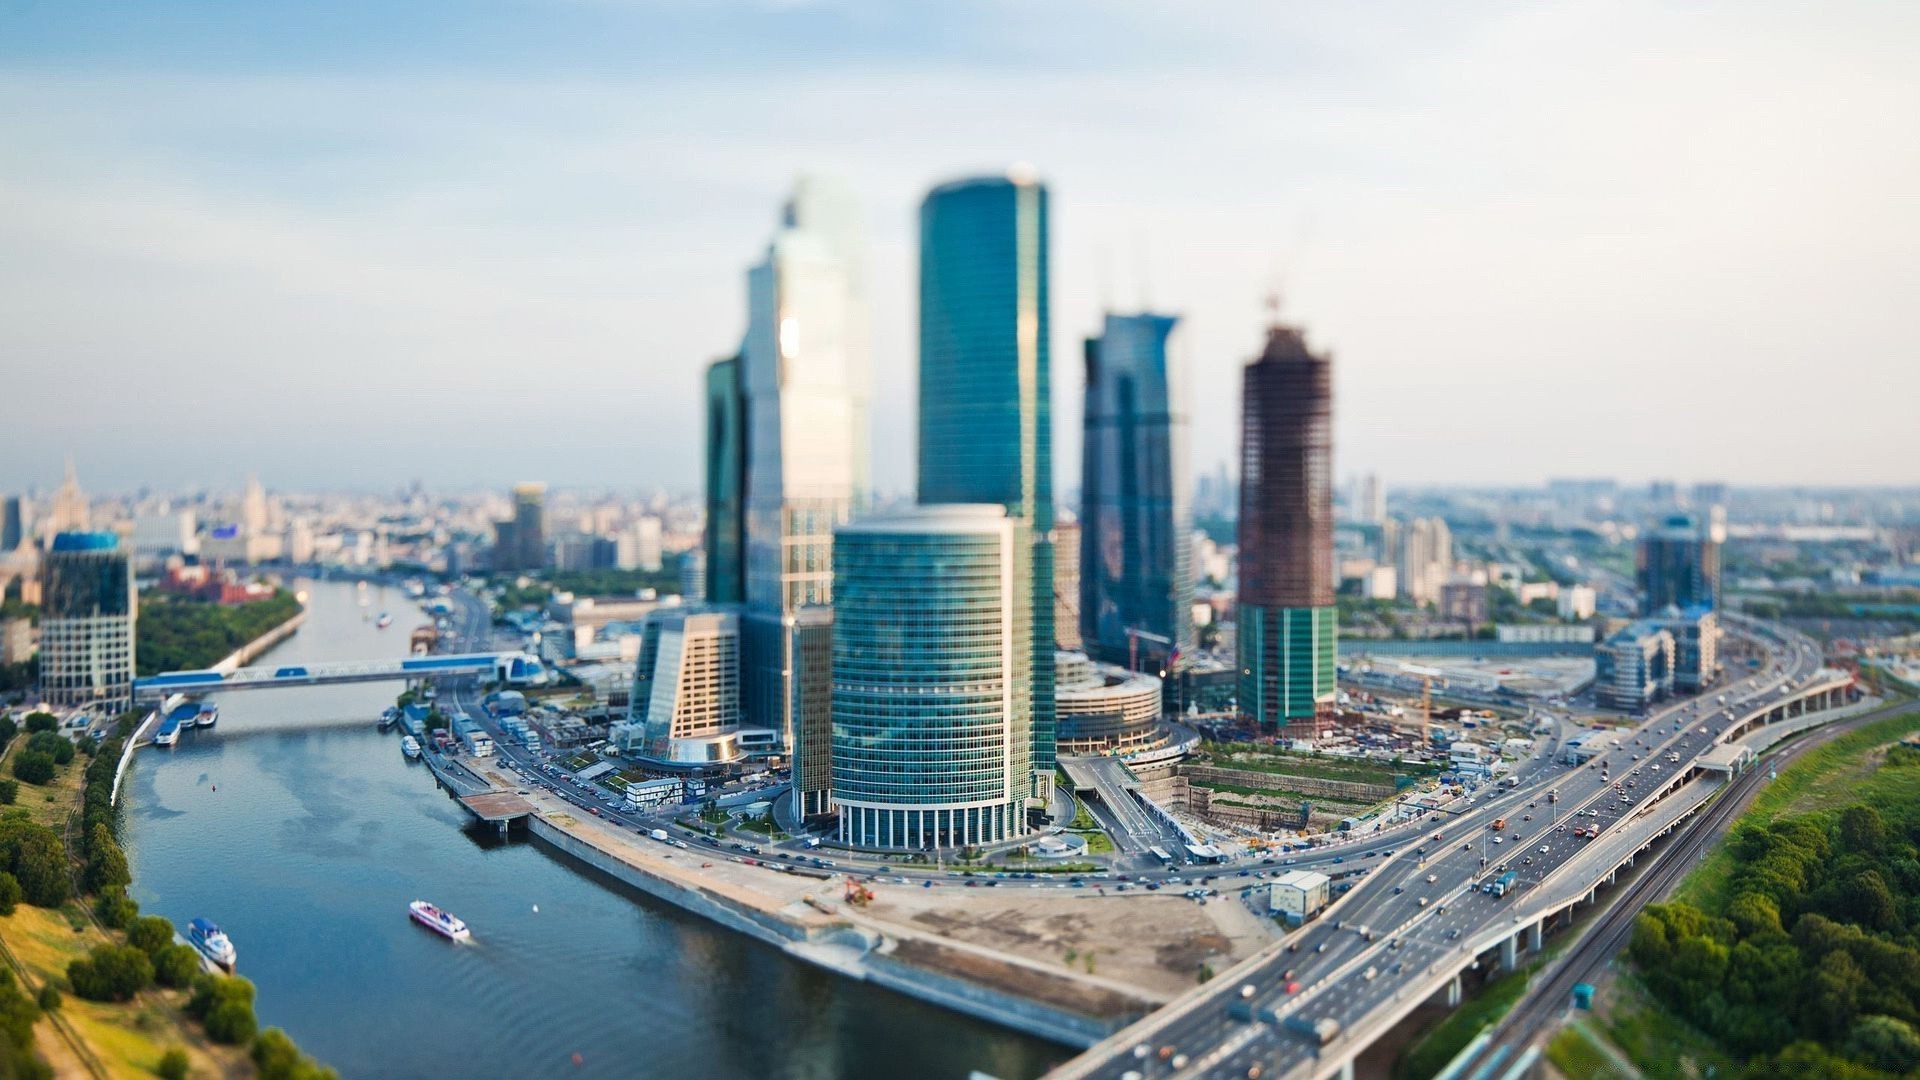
1308, 1005
507, 666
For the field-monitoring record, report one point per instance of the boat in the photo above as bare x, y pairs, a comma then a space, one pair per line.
169, 732
208, 715
211, 942
385, 620
437, 921
389, 718
410, 746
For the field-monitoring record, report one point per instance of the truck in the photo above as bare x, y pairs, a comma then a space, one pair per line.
1320, 1031
659, 834
1499, 823
1504, 883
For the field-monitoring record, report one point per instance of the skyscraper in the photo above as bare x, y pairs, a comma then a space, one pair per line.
70, 511
806, 378
726, 538
86, 622
530, 525
1678, 565
932, 699
1286, 636
13, 523
1425, 559
1136, 582
1066, 586
985, 410
686, 691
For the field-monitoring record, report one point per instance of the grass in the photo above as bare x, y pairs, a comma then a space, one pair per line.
1574, 1052
1451, 1035
128, 1039
1256, 759
1662, 1045
1842, 771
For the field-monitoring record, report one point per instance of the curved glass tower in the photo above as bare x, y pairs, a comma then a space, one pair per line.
932, 679
1136, 522
985, 416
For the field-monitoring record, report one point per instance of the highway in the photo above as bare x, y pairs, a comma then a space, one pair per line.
1416, 913
1532, 1017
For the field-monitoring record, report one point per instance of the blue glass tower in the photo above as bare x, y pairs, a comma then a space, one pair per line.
985, 425
1136, 585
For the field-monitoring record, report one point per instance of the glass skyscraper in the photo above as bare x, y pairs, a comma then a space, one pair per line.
1136, 523
1287, 623
1678, 565
932, 683
985, 414
726, 538
87, 614
806, 379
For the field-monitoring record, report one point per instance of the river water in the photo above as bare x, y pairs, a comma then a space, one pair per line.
304, 832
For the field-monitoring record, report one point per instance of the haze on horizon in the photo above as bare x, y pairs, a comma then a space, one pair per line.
349, 245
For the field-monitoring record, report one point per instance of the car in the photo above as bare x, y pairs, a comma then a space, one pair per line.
1247, 990
1431, 878
1423, 901
1499, 839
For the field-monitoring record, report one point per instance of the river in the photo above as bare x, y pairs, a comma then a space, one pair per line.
304, 832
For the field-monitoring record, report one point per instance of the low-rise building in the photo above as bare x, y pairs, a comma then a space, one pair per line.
1299, 895
1104, 709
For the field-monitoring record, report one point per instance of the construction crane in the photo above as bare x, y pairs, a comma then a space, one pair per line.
1426, 676
1134, 634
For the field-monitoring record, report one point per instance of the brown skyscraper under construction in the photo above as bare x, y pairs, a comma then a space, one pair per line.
1286, 615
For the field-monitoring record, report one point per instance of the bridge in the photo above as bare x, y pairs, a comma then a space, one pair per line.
1308, 1005
510, 667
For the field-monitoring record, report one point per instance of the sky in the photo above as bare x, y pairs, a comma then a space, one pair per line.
353, 244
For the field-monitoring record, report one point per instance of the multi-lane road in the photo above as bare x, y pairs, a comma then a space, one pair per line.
1415, 915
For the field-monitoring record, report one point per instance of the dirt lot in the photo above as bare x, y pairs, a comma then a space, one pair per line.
1156, 943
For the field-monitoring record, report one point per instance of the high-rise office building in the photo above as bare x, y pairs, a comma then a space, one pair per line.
1066, 585
685, 709
1136, 582
13, 523
253, 508
1287, 625
726, 532
1371, 504
985, 406
932, 696
1678, 565
87, 614
693, 574
520, 542
806, 378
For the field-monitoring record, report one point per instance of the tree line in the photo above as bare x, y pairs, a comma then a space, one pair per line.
175, 633
1811, 965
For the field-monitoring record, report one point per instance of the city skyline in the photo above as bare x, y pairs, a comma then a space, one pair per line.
425, 233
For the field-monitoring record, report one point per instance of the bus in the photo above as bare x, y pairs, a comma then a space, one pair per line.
1166, 859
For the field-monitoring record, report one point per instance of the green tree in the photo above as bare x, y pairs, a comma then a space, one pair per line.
42, 721
111, 973
9, 893
173, 1064
116, 908
175, 965
1884, 1042
231, 1022
53, 744
33, 767
106, 863
9, 792
150, 934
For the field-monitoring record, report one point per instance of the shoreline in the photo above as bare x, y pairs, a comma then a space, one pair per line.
826, 933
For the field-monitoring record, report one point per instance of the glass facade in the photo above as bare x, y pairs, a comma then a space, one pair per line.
806, 378
86, 622
932, 680
726, 576
985, 405
1287, 664
686, 689
1136, 519
1678, 566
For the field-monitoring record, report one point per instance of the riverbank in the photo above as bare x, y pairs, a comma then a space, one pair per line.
1067, 965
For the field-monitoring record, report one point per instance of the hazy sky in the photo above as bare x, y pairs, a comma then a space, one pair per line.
349, 244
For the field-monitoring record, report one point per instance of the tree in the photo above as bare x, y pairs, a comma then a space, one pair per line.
1884, 1042
42, 721
33, 766
150, 934
173, 1064
111, 973
116, 908
175, 965
35, 857
9, 893
9, 792
231, 1022
106, 863
52, 744
8, 729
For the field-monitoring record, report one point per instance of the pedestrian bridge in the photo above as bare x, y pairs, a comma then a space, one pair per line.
507, 667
